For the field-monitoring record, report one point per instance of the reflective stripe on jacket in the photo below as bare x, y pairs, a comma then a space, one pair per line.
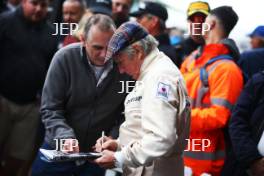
211, 107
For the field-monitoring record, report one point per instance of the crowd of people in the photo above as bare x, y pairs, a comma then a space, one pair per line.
65, 83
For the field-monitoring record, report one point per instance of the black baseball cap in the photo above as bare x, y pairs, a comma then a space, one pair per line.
101, 6
152, 8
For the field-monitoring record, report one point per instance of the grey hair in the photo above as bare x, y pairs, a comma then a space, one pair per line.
148, 44
81, 2
104, 23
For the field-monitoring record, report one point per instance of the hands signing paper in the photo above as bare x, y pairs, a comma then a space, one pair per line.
107, 160
107, 146
105, 143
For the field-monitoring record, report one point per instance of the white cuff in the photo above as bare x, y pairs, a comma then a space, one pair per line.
119, 159
118, 144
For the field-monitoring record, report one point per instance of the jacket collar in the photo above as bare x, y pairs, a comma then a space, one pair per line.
148, 61
210, 51
106, 70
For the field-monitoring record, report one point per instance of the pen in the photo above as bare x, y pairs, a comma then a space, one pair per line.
103, 134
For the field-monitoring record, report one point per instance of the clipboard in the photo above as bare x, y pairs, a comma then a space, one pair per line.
58, 156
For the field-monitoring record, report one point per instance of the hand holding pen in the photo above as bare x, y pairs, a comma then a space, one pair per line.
107, 146
104, 143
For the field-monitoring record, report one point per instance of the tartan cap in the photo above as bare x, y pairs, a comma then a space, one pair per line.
125, 35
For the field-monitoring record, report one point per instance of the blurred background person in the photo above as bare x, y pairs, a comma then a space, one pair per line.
9, 5
27, 47
257, 37
95, 7
252, 61
72, 11
121, 9
76, 35
196, 14
101, 7
153, 16
246, 128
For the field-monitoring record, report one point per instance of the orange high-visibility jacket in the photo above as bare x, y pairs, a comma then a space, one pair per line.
211, 107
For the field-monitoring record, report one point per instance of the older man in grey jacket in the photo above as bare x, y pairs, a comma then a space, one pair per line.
80, 99
157, 111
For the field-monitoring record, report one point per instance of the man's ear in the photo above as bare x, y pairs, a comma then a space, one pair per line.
212, 24
155, 22
82, 39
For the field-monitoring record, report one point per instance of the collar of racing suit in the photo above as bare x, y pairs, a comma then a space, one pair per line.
147, 61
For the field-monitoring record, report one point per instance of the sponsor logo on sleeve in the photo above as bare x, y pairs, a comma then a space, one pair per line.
163, 91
